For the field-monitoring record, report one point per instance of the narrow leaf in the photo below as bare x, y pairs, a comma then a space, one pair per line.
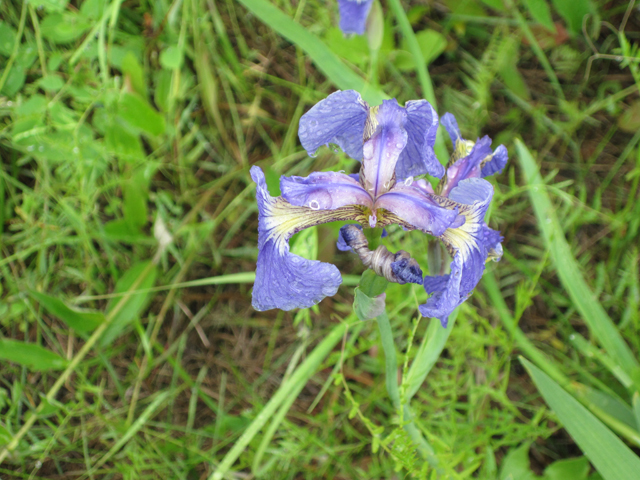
32, 356
432, 345
80, 320
568, 270
611, 457
541, 13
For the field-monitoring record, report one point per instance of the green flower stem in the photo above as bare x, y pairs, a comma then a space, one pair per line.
16, 46
391, 372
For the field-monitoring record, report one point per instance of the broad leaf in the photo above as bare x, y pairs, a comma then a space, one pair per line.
80, 320
32, 356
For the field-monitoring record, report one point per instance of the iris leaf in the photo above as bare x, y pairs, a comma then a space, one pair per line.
611, 457
568, 270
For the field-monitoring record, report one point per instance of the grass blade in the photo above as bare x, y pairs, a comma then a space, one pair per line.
303, 372
341, 75
134, 303
611, 457
568, 270
432, 345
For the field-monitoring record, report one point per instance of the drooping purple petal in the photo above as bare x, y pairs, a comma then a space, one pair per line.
418, 156
415, 209
324, 191
285, 280
471, 244
467, 167
449, 122
353, 15
497, 162
338, 119
385, 138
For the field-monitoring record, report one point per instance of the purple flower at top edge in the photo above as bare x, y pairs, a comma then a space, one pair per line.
353, 15
393, 143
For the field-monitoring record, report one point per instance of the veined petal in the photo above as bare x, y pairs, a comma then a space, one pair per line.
470, 244
491, 164
353, 15
466, 167
384, 140
324, 191
418, 156
413, 208
338, 119
285, 280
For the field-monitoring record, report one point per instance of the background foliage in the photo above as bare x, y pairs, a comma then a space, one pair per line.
128, 345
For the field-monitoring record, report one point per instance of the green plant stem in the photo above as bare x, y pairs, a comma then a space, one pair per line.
16, 45
53, 391
391, 374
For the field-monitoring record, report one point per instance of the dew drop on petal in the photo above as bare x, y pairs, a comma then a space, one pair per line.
398, 145
408, 181
313, 155
314, 205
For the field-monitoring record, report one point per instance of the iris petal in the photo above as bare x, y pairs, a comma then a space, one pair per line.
285, 280
470, 245
418, 157
353, 15
385, 139
491, 164
413, 208
496, 163
338, 119
467, 167
324, 191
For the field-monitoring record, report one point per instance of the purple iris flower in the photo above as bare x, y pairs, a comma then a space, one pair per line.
353, 15
393, 143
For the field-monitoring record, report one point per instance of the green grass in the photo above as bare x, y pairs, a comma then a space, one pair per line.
128, 242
